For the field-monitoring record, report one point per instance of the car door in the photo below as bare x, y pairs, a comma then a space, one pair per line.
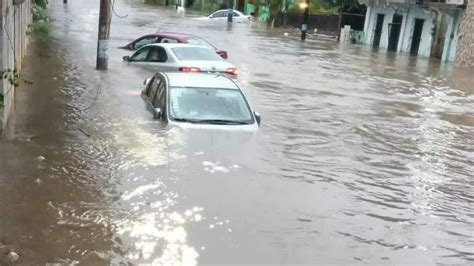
140, 55
153, 58
159, 60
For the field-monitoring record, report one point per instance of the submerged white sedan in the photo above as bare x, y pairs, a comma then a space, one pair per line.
171, 57
221, 15
199, 101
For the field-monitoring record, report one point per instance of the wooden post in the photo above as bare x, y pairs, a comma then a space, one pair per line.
104, 33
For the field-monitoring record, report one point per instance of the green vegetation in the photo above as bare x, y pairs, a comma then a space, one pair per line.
12, 76
40, 26
207, 6
328, 7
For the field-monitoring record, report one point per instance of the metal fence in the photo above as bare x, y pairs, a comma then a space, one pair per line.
325, 24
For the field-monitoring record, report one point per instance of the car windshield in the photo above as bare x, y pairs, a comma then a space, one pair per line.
195, 53
198, 41
209, 105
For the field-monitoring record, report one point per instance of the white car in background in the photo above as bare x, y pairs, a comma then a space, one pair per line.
172, 57
221, 15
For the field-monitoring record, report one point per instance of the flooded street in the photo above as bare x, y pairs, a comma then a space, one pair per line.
363, 157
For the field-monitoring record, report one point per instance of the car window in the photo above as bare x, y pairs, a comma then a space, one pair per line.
160, 99
148, 86
157, 54
141, 54
219, 14
208, 104
195, 53
153, 89
199, 41
144, 41
168, 40
235, 14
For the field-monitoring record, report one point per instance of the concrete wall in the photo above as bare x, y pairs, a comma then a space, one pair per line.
14, 21
448, 15
465, 50
409, 13
454, 21
417, 12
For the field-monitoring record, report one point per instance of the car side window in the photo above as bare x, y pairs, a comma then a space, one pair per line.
144, 41
153, 89
157, 54
148, 86
168, 40
235, 14
160, 99
141, 54
219, 14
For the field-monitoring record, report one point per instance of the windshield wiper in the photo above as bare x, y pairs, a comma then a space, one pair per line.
186, 120
221, 122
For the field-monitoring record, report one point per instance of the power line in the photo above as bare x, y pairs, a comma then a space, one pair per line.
115, 13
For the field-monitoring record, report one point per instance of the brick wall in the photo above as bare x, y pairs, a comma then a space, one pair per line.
465, 50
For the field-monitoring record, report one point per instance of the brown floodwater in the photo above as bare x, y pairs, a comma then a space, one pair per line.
363, 157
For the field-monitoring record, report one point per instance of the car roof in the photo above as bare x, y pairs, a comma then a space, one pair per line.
200, 80
235, 10
171, 35
176, 34
172, 45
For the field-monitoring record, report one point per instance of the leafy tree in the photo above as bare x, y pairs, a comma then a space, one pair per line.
41, 3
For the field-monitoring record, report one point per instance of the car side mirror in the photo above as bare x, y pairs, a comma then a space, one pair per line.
157, 114
258, 117
126, 58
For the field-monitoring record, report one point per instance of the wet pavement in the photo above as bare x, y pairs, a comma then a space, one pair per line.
362, 158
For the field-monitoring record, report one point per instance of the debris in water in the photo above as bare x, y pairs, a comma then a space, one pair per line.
38, 181
304, 220
50, 204
41, 158
11, 257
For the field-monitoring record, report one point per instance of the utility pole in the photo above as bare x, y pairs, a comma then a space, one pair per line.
64, 1
103, 37
304, 26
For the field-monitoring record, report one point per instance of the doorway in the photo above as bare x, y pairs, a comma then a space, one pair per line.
378, 30
394, 32
416, 38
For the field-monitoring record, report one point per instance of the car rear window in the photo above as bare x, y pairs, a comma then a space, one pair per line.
195, 53
197, 41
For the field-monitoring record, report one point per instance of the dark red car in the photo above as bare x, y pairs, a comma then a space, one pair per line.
172, 37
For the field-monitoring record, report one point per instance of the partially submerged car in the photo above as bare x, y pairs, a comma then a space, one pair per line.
199, 100
172, 37
221, 15
181, 57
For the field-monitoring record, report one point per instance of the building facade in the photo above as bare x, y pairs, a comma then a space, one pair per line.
427, 28
465, 50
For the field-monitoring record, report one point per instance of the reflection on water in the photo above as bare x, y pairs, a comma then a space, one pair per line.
363, 157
